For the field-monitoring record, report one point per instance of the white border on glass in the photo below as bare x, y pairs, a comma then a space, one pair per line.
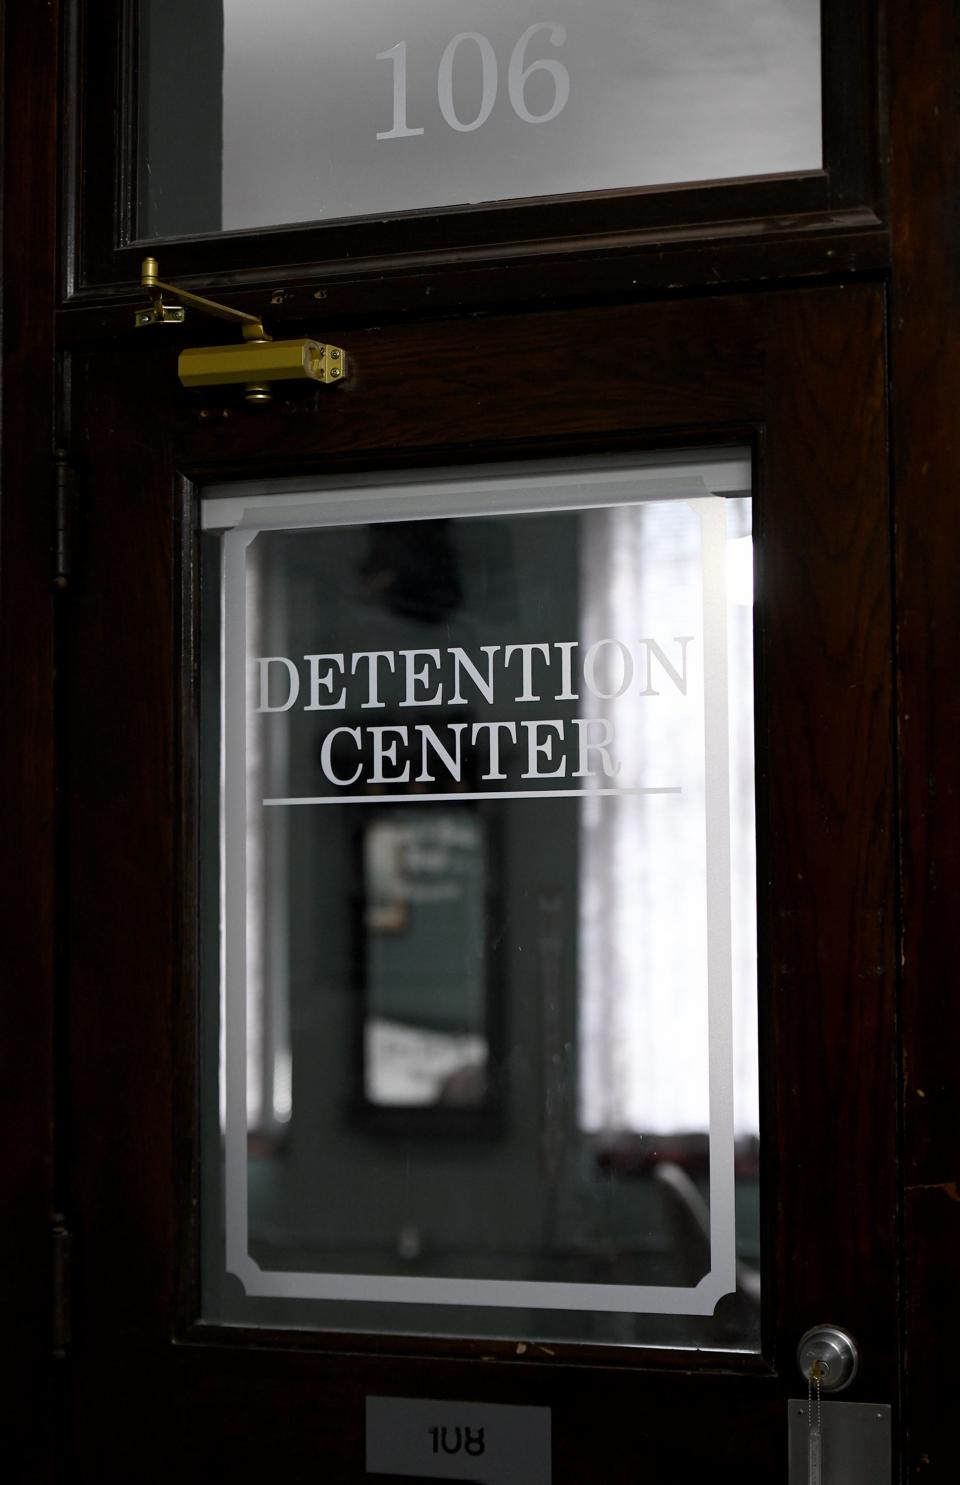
242, 512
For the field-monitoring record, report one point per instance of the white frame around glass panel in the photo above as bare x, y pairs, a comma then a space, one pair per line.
241, 512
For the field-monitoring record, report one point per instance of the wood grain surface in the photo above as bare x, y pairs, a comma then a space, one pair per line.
925, 350
33, 1184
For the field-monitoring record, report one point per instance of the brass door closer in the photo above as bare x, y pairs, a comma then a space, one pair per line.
257, 362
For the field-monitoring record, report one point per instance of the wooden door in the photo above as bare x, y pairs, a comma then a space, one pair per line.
799, 320
798, 379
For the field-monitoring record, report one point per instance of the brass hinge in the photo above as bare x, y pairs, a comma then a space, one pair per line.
64, 507
61, 1324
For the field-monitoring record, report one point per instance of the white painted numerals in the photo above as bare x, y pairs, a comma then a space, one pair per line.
519, 74
488, 63
398, 56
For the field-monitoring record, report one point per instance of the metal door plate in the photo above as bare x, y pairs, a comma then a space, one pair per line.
856, 1443
485, 1443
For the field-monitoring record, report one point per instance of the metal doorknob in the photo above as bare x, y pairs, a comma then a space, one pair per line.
835, 1351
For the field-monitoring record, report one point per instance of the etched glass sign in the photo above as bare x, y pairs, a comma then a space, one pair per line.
300, 112
479, 953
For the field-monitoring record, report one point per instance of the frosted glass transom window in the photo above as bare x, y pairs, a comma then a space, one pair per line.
300, 111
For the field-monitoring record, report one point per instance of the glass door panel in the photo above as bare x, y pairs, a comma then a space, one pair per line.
302, 112
479, 953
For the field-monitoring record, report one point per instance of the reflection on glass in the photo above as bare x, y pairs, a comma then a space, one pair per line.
480, 784
424, 987
301, 112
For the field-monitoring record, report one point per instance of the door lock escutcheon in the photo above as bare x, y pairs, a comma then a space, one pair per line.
256, 363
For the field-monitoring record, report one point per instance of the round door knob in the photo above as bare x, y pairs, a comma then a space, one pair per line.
836, 1352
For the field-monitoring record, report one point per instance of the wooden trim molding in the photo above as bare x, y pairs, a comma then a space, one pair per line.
925, 351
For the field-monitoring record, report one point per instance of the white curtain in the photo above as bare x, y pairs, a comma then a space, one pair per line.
644, 1045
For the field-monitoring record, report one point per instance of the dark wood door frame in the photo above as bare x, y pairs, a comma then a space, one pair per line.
28, 839
925, 381
922, 117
